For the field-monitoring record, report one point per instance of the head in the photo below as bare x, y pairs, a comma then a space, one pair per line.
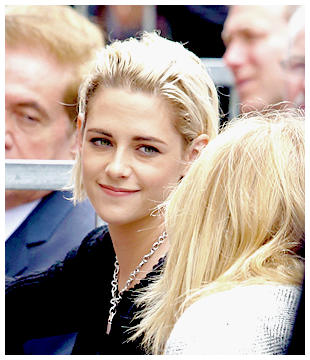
237, 218
160, 69
246, 194
294, 63
47, 48
255, 37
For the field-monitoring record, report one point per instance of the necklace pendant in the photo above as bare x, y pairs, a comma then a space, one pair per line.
109, 323
109, 327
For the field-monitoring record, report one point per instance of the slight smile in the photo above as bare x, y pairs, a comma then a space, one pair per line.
113, 191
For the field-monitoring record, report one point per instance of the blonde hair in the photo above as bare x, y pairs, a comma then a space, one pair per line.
237, 218
157, 66
61, 32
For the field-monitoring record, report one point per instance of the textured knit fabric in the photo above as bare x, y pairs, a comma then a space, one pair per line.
73, 296
255, 319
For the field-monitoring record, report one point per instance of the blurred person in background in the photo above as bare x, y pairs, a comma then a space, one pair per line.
118, 21
256, 39
47, 48
123, 21
294, 64
186, 24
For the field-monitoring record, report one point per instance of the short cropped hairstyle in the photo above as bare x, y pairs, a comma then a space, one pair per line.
163, 68
237, 218
60, 31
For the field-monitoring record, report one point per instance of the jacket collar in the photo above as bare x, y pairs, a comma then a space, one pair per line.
37, 229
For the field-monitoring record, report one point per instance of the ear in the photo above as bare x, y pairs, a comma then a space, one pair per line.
80, 121
198, 144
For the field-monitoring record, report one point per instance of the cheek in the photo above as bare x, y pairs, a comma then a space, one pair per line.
41, 145
261, 55
292, 90
29, 148
59, 136
162, 182
269, 53
89, 166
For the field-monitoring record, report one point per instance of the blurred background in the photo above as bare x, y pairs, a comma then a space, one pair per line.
199, 27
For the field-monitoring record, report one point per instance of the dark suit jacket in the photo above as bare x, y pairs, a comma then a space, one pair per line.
51, 230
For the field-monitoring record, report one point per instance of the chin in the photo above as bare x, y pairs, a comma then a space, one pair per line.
116, 218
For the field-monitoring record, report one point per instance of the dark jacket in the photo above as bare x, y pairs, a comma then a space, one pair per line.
73, 296
51, 230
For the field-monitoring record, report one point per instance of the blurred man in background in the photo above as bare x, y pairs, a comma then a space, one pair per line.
47, 48
294, 64
255, 37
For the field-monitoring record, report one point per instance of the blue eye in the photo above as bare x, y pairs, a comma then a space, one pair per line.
100, 142
148, 149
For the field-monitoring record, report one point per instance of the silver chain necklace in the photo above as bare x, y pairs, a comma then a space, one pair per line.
117, 298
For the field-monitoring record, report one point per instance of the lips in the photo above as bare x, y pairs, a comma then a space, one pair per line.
242, 83
114, 191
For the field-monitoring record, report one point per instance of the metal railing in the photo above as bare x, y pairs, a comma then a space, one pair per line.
219, 72
56, 174
37, 174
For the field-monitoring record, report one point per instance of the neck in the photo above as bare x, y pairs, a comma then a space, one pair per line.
131, 242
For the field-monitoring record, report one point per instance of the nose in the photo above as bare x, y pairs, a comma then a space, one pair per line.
235, 54
9, 131
8, 141
119, 165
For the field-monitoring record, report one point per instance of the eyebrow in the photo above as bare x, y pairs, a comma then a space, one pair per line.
135, 138
33, 105
99, 131
150, 139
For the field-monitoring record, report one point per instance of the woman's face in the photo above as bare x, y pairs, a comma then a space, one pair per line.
131, 155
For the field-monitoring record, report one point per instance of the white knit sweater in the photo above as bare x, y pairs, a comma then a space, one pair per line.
255, 319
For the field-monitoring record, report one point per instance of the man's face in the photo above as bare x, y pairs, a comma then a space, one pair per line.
255, 39
295, 71
36, 123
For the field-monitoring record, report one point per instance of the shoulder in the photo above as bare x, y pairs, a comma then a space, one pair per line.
251, 296
77, 219
255, 319
82, 262
56, 217
49, 232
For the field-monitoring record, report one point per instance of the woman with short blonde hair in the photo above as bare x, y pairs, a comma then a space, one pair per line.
147, 108
177, 77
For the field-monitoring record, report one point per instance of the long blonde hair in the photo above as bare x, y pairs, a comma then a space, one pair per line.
154, 65
237, 218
